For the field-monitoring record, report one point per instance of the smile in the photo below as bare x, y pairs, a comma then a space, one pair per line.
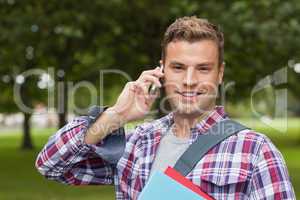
189, 94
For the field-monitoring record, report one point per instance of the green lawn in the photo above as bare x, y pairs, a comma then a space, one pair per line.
21, 181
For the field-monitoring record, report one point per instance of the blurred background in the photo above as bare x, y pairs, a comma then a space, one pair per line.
53, 54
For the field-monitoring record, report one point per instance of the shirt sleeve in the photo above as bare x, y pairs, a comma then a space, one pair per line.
270, 178
68, 159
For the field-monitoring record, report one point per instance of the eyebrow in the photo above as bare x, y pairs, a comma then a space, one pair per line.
205, 64
176, 63
197, 65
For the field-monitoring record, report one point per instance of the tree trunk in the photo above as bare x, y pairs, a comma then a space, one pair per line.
62, 102
27, 140
62, 119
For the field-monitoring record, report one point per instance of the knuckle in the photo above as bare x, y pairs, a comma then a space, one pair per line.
129, 83
147, 71
144, 72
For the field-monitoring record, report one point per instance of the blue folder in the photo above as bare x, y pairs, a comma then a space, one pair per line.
162, 187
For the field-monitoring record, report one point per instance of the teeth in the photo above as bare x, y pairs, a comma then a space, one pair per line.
189, 94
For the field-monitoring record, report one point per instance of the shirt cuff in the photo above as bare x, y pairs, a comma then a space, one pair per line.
111, 148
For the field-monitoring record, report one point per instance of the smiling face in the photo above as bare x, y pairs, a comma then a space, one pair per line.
192, 74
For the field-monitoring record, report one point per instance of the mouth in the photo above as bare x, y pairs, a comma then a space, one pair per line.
190, 96
189, 93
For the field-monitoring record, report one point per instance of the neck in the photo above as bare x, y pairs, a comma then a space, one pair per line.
184, 122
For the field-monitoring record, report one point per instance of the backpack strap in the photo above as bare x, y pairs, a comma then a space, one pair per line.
216, 134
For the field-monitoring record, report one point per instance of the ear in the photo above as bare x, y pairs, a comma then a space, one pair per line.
221, 72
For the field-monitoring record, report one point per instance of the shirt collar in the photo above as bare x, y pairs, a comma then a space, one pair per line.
216, 115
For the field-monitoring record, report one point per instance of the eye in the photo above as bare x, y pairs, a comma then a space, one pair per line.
203, 68
177, 67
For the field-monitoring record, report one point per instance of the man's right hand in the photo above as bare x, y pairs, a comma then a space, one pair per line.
135, 101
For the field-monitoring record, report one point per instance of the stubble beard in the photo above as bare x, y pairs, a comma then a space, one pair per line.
192, 109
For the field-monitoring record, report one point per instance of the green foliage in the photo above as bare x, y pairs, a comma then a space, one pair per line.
82, 38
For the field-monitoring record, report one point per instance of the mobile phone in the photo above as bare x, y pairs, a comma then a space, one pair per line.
153, 88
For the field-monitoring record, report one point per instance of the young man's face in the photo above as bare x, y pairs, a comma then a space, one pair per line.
192, 75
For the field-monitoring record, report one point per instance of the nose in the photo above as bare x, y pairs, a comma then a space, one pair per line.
190, 78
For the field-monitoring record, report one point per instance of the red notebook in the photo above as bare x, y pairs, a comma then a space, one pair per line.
172, 173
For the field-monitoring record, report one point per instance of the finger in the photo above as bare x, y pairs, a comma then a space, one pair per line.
141, 88
130, 86
152, 80
144, 88
154, 72
148, 84
151, 98
159, 72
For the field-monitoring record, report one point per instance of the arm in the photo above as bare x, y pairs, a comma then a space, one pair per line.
270, 178
133, 103
86, 153
67, 159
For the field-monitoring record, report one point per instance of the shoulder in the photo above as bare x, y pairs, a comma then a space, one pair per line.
250, 142
244, 144
240, 151
254, 137
250, 136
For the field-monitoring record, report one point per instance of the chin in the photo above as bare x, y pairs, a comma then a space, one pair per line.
185, 109
192, 109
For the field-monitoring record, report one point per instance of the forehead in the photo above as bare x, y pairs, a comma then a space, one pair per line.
192, 52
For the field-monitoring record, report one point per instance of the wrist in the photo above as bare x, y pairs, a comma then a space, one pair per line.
104, 124
118, 115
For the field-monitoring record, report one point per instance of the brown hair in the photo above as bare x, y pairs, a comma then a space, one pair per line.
193, 29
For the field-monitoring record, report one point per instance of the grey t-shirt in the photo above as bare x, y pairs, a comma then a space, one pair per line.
169, 151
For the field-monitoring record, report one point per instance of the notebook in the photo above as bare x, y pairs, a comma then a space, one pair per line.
171, 185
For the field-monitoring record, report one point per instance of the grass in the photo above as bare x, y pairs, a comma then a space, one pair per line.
21, 181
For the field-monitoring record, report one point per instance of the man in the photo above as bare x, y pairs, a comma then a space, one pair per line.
246, 165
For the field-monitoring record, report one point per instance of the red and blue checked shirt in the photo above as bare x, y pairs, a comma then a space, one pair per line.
244, 166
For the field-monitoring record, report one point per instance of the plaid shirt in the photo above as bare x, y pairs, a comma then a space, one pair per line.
246, 165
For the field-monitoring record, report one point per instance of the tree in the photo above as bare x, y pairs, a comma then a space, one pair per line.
18, 43
78, 40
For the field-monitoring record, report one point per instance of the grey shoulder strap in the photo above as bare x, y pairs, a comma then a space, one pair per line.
216, 134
